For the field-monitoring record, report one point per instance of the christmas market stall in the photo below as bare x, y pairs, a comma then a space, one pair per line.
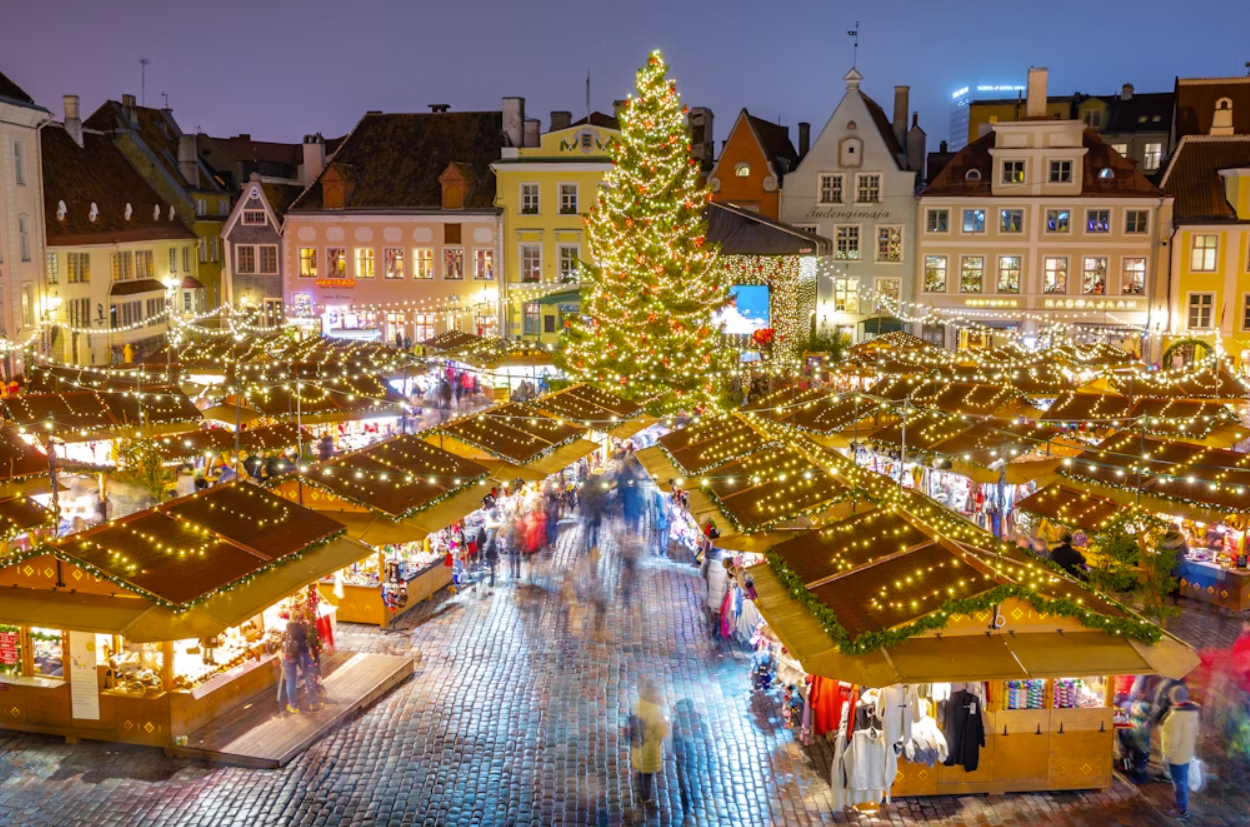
208, 448
944, 662
515, 441
401, 497
23, 464
837, 420
597, 409
162, 628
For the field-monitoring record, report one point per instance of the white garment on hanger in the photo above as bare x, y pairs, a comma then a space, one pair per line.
870, 766
926, 737
898, 709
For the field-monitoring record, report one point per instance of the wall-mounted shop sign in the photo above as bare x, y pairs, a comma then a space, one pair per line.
1090, 304
848, 215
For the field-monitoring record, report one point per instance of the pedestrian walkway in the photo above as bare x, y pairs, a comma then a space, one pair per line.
514, 716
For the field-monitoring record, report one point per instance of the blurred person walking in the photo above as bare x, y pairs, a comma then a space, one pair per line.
648, 731
1179, 735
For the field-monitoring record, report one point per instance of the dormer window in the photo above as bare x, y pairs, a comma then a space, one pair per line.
1222, 122
972, 175
1105, 172
129, 211
742, 170
1013, 172
156, 212
94, 213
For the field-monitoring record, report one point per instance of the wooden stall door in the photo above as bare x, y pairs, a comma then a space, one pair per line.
1081, 756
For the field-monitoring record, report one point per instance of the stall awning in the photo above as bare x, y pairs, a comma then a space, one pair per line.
78, 612
456, 507
376, 530
627, 429
562, 457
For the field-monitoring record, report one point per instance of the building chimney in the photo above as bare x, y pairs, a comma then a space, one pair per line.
1035, 104
188, 165
902, 106
805, 138
73, 120
561, 120
314, 158
439, 107
942, 147
530, 131
1126, 92
129, 109
702, 143
916, 145
513, 120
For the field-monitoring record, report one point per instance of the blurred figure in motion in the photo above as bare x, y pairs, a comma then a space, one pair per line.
629, 487
591, 501
629, 570
1178, 737
648, 729
690, 732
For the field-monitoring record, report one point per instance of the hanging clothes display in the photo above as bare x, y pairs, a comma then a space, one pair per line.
927, 744
965, 730
826, 698
898, 709
865, 764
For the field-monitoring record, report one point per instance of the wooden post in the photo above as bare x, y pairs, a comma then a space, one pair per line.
167, 665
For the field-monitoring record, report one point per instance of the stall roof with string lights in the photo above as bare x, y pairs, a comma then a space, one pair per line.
712, 441
1220, 384
596, 409
1071, 507
213, 441
951, 397
530, 444
86, 415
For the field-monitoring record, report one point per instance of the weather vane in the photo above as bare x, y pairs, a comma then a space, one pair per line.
854, 33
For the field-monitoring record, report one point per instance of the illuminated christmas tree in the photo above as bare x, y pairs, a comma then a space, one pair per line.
646, 326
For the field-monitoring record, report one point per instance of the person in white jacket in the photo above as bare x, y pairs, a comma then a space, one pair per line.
1179, 735
717, 585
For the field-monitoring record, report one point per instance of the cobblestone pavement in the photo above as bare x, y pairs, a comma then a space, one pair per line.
514, 717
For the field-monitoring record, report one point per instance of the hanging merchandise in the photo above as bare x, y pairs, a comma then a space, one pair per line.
927, 744
965, 729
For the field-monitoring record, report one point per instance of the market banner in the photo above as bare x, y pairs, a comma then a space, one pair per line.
84, 682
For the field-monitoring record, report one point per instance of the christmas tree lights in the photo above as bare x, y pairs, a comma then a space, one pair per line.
648, 300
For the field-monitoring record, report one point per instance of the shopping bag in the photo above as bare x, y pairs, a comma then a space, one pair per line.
1197, 775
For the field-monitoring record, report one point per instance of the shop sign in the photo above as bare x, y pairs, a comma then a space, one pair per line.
838, 214
346, 283
84, 682
8, 648
1091, 304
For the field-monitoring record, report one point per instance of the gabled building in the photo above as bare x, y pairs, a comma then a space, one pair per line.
1040, 222
169, 161
21, 230
1208, 176
857, 187
752, 163
400, 234
546, 185
118, 254
253, 252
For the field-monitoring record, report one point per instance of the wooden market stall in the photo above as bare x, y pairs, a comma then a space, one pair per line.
391, 496
515, 441
149, 628
596, 409
931, 608
213, 446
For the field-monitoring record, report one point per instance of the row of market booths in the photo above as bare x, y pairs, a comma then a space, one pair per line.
874, 597
162, 627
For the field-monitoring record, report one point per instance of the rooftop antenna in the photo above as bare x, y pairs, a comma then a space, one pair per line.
588, 92
143, 80
855, 46
165, 95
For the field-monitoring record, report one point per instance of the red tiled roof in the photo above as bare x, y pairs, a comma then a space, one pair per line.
396, 159
97, 173
1195, 104
1192, 176
1126, 180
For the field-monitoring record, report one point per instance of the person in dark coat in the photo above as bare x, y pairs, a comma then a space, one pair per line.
1069, 559
492, 554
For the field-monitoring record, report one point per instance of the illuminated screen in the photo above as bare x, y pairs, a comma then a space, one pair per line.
747, 311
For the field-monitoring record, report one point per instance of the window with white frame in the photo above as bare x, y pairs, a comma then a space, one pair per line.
173, 260
1094, 279
846, 239
201, 206
1245, 311
1202, 257
935, 274
937, 221
1055, 274
1153, 157
1009, 274
531, 263
393, 263
1098, 221
568, 199
974, 221
533, 314
484, 264
890, 244
365, 263
742, 171
336, 262
145, 264
453, 263
223, 207
1201, 310
77, 268
1011, 221
570, 261
972, 274
23, 237
423, 263
846, 294
308, 262
1058, 221
123, 266
53, 268
1061, 172
253, 217
1133, 280
186, 259
868, 189
1136, 221
1013, 172
424, 326
1122, 149
529, 199
268, 255
19, 165
830, 188
245, 258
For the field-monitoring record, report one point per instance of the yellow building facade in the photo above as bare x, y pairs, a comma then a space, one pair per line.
1209, 176
545, 191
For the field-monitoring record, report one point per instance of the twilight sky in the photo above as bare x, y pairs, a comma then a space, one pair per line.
281, 68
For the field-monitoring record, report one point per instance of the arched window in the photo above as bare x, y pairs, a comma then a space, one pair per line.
1105, 172
973, 175
742, 170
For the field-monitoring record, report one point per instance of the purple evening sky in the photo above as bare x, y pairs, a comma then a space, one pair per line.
280, 69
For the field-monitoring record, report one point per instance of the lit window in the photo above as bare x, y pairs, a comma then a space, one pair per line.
1202, 258
1098, 221
336, 261
1009, 274
393, 262
483, 264
570, 255
529, 199
1136, 221
1245, 311
1055, 275
533, 318
868, 189
568, 199
847, 239
742, 170
1058, 221
1013, 172
974, 221
935, 274
1122, 149
1200, 310
846, 295
453, 264
424, 325
52, 268
1153, 156
1134, 280
1094, 282
308, 262
890, 289
1010, 221
972, 274
1060, 172
423, 263
938, 221
889, 244
365, 263
830, 188
531, 263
